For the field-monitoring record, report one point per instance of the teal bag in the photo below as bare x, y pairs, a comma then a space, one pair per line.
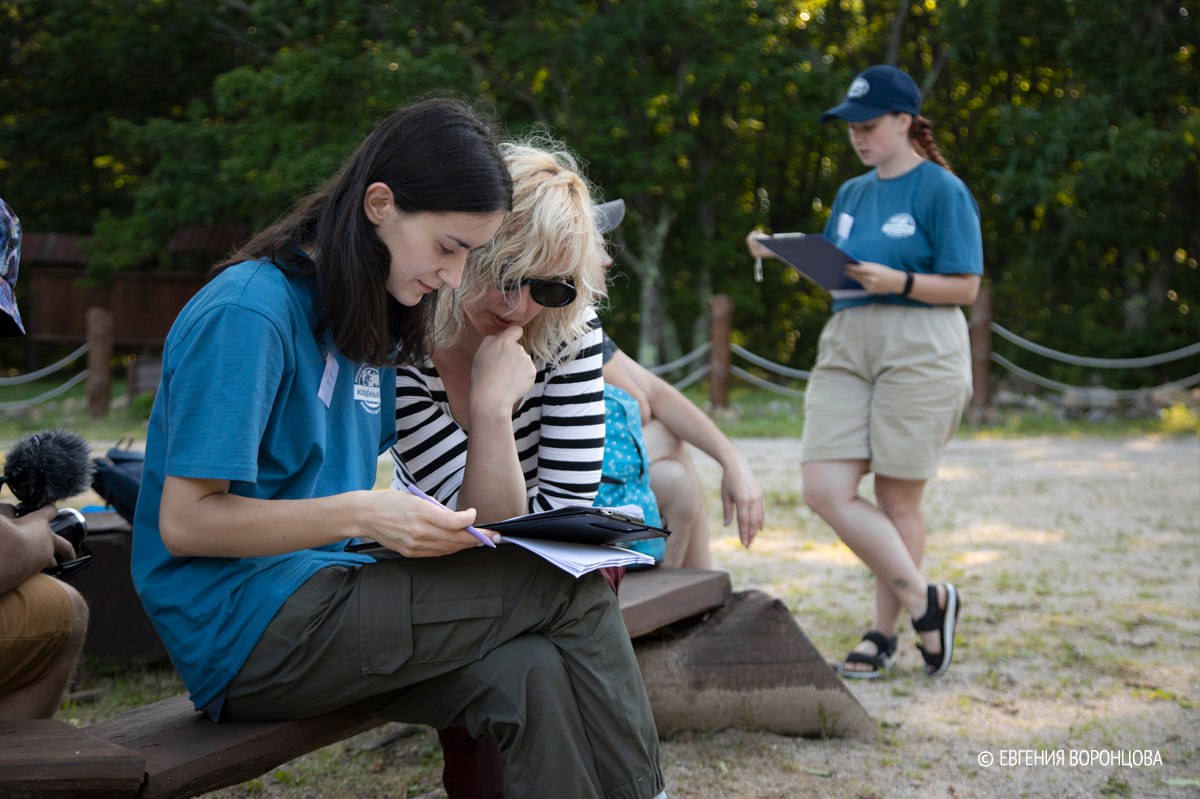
625, 478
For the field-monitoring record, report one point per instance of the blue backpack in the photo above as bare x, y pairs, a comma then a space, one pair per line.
117, 478
626, 471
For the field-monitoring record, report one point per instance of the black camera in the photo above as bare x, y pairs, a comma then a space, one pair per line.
70, 524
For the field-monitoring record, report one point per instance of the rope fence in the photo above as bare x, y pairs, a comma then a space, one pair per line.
46, 396
717, 366
44, 371
789, 373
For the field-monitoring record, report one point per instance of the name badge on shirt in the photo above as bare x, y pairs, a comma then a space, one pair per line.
844, 223
328, 380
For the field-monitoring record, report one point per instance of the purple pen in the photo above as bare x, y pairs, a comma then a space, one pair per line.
416, 492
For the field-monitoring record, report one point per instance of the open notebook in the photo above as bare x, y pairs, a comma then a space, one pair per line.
577, 539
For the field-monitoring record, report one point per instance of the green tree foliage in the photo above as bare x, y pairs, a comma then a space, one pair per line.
1076, 125
1082, 124
69, 69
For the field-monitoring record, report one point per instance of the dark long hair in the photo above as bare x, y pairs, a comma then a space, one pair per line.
438, 155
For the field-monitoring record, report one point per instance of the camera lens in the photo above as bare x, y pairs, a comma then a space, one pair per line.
70, 524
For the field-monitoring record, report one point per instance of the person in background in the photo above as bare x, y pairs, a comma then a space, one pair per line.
669, 422
893, 371
43, 620
261, 456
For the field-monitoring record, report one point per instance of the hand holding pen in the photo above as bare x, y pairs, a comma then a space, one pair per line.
416, 492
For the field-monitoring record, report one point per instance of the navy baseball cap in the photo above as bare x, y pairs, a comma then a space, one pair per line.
609, 215
10, 259
876, 91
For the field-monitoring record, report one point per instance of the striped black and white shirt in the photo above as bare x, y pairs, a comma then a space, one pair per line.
559, 429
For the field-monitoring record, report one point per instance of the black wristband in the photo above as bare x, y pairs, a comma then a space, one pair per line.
908, 284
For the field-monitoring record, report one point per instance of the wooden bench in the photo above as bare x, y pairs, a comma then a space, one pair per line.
166, 749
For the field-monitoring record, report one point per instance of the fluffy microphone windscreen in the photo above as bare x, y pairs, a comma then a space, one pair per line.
48, 467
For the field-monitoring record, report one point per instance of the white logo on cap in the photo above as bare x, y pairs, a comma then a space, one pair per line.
858, 88
899, 226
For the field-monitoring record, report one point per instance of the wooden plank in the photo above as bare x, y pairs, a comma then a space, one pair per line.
47, 757
655, 598
186, 754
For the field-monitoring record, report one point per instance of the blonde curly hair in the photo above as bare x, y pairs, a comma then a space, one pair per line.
550, 233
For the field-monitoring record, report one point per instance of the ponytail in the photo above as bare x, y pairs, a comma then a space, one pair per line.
921, 134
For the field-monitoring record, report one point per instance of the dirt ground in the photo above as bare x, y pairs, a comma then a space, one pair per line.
1077, 672
1078, 644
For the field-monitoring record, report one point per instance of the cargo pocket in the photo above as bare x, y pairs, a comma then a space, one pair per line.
384, 619
457, 630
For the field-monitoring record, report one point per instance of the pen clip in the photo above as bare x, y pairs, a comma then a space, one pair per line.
758, 277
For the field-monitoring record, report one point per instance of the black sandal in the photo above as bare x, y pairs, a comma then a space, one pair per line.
880, 663
944, 620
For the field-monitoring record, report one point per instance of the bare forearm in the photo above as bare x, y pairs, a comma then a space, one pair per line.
688, 423
934, 289
27, 545
220, 524
944, 289
17, 570
493, 482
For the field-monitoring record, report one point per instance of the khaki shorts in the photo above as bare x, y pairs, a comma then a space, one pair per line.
890, 386
35, 623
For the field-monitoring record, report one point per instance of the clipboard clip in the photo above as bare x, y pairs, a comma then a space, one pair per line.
758, 268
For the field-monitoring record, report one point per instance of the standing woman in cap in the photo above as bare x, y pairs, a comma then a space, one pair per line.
893, 371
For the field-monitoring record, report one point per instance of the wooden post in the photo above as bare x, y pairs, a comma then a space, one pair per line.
980, 328
99, 360
720, 310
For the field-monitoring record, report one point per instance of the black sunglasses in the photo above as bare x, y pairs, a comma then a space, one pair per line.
546, 292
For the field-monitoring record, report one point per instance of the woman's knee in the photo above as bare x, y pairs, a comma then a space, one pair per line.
899, 499
79, 613
827, 485
674, 483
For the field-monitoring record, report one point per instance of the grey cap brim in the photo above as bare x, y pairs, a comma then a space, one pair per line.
609, 215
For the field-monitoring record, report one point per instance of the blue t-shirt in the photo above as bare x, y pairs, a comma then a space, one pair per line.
241, 399
924, 221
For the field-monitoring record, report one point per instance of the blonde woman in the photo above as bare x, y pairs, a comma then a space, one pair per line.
506, 415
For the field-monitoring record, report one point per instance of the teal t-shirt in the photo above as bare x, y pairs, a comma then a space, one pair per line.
924, 221
242, 399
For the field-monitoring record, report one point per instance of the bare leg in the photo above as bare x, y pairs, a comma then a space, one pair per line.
900, 501
681, 500
890, 549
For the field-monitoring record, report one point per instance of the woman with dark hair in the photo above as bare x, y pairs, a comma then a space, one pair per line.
261, 455
893, 371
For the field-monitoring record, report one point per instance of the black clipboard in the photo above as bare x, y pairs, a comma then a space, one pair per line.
577, 525
816, 258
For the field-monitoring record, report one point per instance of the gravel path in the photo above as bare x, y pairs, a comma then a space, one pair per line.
1078, 670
